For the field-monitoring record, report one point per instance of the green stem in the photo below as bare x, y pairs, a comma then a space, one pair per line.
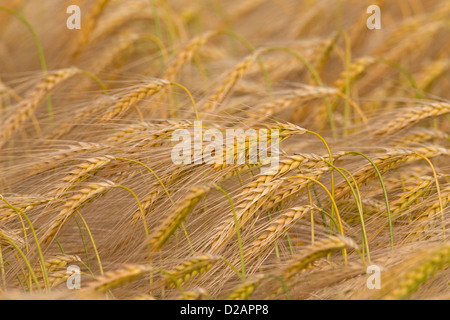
38, 247
316, 78
252, 49
157, 21
33, 33
27, 263
357, 197
331, 162
40, 50
238, 231
283, 283
96, 79
341, 229
140, 207
88, 261
232, 267
388, 210
190, 97
152, 172
348, 60
2, 268
93, 243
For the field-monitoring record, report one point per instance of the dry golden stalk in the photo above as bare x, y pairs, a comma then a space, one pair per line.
82, 171
115, 278
246, 288
277, 229
354, 71
314, 252
74, 203
142, 92
190, 268
228, 83
182, 208
410, 275
26, 107
412, 116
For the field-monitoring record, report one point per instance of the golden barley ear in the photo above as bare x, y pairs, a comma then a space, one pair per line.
74, 203
142, 92
409, 276
275, 231
180, 212
115, 278
413, 116
190, 269
26, 107
244, 290
314, 252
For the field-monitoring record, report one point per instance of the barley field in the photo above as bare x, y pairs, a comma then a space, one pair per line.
357, 206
